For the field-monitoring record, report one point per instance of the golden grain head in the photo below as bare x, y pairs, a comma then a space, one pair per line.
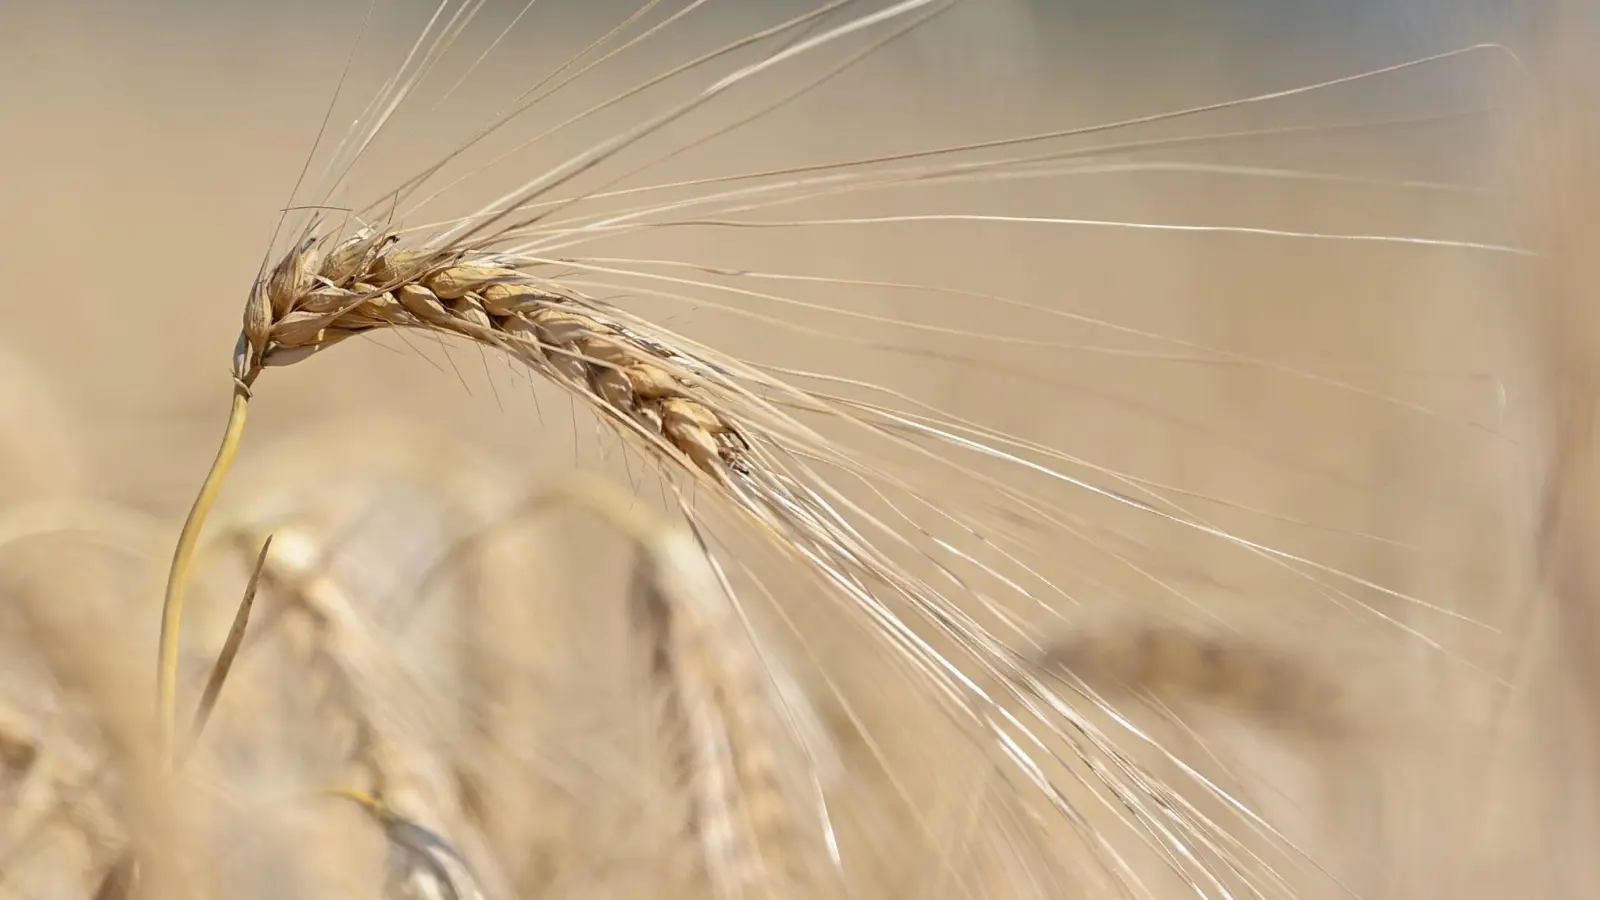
368, 283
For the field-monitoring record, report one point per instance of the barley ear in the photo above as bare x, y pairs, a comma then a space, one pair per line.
745, 838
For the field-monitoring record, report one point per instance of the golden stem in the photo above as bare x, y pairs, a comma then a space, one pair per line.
178, 575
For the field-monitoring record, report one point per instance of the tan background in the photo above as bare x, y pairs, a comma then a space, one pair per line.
147, 149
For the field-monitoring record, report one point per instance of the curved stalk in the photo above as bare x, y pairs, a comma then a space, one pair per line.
182, 557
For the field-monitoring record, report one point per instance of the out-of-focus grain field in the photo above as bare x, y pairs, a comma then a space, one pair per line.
1380, 415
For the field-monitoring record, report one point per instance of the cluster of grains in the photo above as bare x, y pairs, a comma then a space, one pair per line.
404, 787
311, 302
745, 837
1171, 663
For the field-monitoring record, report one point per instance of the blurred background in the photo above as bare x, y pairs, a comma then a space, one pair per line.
1381, 414
151, 145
